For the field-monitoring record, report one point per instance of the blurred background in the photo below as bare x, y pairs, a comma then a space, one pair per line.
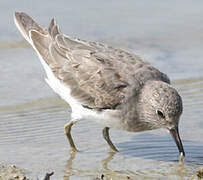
168, 34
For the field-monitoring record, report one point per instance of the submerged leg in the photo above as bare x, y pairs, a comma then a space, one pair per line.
67, 128
107, 138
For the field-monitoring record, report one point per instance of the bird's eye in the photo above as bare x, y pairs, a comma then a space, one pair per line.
160, 114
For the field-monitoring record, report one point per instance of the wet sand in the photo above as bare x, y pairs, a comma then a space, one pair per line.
12, 172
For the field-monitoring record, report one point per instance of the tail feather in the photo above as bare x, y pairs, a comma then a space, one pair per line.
41, 44
40, 39
53, 29
25, 24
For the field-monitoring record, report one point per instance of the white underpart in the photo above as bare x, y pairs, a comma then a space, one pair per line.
78, 111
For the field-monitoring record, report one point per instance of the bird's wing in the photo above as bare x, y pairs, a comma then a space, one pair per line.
95, 73
91, 66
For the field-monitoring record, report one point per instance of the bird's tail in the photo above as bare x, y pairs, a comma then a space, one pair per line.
41, 39
26, 24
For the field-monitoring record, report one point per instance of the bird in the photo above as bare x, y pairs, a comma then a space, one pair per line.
108, 85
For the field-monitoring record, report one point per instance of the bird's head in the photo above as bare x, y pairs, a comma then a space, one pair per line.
161, 108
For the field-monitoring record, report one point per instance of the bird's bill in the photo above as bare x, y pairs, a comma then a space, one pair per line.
175, 134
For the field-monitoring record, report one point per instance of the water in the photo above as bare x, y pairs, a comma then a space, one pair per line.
167, 34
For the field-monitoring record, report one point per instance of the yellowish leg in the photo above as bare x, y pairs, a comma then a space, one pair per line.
107, 138
67, 128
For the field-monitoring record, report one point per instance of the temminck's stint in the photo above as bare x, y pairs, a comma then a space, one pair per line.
108, 85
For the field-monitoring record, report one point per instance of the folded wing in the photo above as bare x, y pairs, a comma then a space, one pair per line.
92, 71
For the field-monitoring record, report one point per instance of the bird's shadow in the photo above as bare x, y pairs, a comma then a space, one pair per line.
161, 148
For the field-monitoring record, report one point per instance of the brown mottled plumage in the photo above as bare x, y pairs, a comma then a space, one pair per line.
105, 83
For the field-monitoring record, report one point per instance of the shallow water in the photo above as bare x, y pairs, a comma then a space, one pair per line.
32, 116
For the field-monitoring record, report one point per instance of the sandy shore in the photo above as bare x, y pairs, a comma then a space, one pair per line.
11, 172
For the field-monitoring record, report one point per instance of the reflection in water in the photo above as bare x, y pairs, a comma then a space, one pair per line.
107, 160
106, 171
70, 171
176, 170
69, 164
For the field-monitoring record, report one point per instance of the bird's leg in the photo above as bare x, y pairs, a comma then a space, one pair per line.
107, 138
67, 128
